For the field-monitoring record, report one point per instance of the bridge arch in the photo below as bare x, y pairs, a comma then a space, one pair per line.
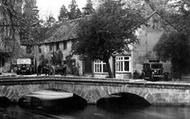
91, 93
123, 99
93, 89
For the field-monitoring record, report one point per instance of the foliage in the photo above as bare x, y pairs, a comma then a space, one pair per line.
63, 15
72, 65
8, 20
174, 14
74, 11
29, 21
180, 16
175, 47
68, 14
19, 19
109, 30
88, 9
57, 58
50, 21
43, 60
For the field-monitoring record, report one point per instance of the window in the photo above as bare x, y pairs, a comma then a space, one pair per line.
57, 46
39, 49
122, 63
51, 47
64, 45
100, 67
28, 49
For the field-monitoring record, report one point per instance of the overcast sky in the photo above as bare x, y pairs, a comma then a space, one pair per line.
47, 7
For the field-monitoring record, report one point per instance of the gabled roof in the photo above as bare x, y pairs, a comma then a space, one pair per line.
66, 31
57, 33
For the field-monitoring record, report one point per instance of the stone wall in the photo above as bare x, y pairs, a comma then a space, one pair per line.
93, 89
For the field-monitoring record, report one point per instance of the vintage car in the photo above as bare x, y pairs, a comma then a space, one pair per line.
49, 69
46, 69
25, 66
154, 71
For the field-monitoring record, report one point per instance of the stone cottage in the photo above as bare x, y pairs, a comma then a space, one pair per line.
123, 65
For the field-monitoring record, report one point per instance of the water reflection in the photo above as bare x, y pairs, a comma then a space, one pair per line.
15, 112
94, 112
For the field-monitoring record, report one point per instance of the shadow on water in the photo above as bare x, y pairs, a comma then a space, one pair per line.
122, 101
57, 106
16, 112
4, 102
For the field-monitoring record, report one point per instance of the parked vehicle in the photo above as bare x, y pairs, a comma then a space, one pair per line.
60, 69
46, 69
153, 71
25, 66
49, 69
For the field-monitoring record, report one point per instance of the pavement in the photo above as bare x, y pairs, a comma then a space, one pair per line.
184, 78
8, 74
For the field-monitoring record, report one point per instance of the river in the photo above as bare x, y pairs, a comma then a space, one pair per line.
94, 112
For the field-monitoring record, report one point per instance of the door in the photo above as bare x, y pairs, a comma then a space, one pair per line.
87, 66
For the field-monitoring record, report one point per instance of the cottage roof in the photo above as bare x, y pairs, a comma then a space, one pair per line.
59, 32
66, 31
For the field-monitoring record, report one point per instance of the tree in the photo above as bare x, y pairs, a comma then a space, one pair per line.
88, 9
74, 11
175, 15
63, 15
10, 12
173, 44
175, 47
29, 21
57, 58
8, 18
19, 17
50, 21
109, 30
179, 16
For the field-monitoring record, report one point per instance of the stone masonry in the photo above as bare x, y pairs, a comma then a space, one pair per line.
93, 89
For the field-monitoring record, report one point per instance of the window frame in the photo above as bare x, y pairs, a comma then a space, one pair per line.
57, 46
120, 66
39, 49
51, 47
99, 66
64, 45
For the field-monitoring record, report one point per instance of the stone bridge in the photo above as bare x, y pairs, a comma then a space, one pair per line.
93, 89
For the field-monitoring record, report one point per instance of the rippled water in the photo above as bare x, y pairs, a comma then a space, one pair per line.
93, 112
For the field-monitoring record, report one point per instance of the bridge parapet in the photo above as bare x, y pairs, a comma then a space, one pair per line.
92, 89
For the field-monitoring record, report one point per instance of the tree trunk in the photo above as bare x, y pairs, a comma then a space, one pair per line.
109, 69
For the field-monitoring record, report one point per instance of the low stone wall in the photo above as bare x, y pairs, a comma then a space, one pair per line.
93, 89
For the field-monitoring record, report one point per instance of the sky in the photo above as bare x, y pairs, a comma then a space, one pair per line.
52, 7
